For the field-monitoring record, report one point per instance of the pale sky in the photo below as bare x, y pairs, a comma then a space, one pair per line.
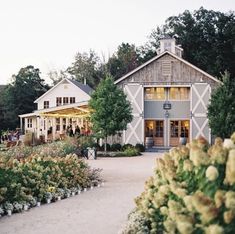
48, 33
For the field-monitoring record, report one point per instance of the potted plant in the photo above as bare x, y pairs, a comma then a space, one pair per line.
48, 197
8, 207
67, 192
18, 207
73, 191
60, 193
1, 211
25, 205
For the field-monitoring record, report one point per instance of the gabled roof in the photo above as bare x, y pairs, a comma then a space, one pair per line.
85, 88
157, 57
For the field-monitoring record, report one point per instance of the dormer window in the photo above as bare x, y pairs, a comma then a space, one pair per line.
72, 100
46, 104
58, 101
65, 100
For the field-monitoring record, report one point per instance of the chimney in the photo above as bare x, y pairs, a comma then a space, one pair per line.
84, 81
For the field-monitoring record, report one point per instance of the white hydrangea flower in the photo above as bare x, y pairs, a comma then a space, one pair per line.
229, 144
212, 173
230, 200
184, 227
214, 229
188, 203
230, 168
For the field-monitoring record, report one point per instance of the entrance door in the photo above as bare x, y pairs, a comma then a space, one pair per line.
155, 129
159, 133
178, 128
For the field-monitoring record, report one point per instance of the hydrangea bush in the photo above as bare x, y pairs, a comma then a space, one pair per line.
192, 191
35, 178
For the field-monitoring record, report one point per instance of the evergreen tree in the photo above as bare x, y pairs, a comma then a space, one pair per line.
221, 111
111, 111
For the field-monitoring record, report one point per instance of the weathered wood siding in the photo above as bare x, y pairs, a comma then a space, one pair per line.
180, 73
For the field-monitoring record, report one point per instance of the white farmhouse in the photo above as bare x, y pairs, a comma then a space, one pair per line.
65, 104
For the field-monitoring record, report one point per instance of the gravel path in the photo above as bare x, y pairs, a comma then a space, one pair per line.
98, 211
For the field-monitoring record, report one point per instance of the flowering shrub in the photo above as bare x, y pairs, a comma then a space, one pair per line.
54, 149
35, 178
192, 191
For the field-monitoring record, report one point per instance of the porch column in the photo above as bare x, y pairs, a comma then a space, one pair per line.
21, 125
46, 128
53, 128
61, 125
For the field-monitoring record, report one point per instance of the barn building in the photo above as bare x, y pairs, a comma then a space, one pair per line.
169, 98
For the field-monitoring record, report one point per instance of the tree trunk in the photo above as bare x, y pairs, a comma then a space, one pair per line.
105, 145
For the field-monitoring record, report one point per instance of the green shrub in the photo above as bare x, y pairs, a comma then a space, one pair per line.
108, 147
140, 147
125, 146
116, 147
129, 152
192, 190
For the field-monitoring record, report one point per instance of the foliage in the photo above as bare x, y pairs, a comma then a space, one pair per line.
111, 111
140, 147
192, 190
87, 66
207, 37
39, 178
123, 61
126, 146
19, 95
86, 141
221, 110
129, 152
116, 147
54, 149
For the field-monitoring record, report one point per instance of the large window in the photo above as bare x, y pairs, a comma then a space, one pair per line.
46, 104
155, 93
181, 93
58, 101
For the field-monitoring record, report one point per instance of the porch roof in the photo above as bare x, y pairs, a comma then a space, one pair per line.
79, 109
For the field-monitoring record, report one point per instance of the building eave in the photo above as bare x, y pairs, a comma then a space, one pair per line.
160, 55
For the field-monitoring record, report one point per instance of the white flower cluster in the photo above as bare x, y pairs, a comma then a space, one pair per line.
192, 190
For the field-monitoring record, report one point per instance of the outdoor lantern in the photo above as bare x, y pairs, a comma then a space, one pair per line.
167, 114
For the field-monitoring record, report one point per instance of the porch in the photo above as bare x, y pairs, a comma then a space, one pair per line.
54, 123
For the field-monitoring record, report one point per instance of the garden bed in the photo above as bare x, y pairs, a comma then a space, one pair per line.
192, 191
45, 173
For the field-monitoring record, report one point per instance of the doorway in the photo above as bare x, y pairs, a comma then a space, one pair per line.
155, 129
178, 128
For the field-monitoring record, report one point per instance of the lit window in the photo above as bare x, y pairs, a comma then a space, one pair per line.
181, 93
58, 101
65, 100
157, 93
46, 104
72, 99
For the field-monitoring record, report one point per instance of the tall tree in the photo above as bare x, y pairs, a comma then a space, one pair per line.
207, 37
221, 111
111, 111
123, 61
20, 94
86, 67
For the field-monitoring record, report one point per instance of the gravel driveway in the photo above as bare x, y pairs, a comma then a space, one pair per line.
98, 211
